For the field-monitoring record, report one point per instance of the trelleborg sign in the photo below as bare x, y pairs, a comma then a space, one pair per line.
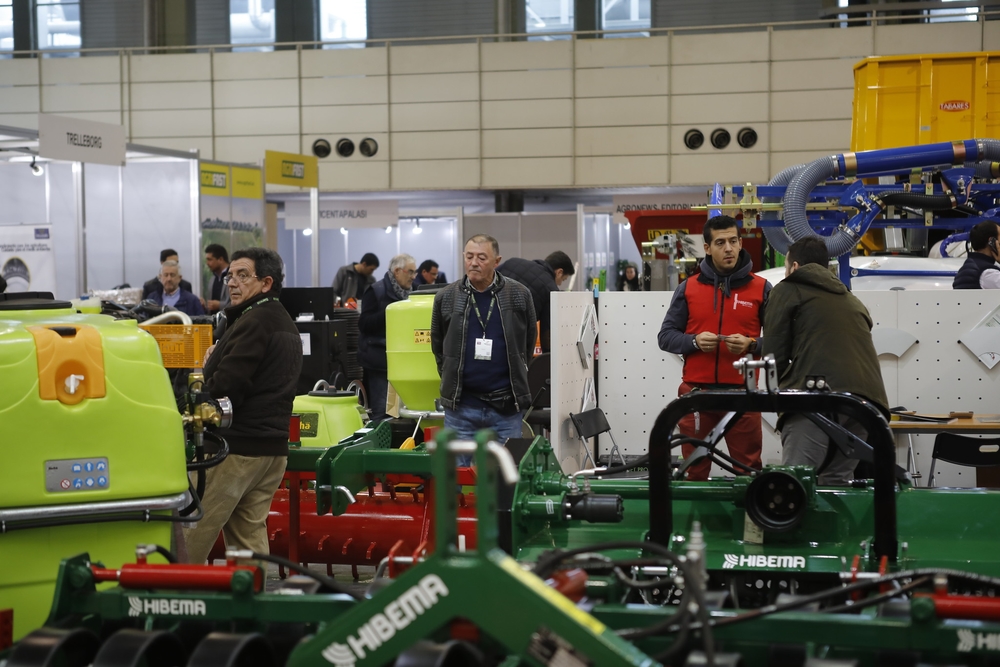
75, 140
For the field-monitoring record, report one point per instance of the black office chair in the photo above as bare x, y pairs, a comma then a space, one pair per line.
591, 423
963, 451
540, 386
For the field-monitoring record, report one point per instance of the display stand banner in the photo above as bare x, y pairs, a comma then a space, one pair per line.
76, 140
232, 208
27, 261
672, 201
351, 214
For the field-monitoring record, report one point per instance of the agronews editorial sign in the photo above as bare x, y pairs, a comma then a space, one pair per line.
300, 171
75, 140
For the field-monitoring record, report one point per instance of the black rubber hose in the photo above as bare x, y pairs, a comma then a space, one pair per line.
321, 578
916, 200
218, 458
165, 552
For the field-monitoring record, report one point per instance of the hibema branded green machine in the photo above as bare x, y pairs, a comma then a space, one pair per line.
93, 446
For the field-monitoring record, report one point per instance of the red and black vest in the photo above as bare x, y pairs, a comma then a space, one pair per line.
738, 313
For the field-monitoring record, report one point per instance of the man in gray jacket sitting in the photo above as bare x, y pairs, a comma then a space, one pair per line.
483, 335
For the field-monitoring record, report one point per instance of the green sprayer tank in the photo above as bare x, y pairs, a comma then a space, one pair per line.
327, 417
412, 369
89, 428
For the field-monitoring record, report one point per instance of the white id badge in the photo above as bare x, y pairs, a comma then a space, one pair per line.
484, 349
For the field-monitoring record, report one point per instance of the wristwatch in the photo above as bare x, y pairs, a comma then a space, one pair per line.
694, 339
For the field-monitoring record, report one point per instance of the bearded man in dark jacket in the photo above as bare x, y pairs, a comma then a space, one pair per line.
256, 364
815, 327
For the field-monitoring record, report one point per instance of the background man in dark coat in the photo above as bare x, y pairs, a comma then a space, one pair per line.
542, 277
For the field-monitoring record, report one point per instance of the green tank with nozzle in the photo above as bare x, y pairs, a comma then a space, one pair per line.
412, 369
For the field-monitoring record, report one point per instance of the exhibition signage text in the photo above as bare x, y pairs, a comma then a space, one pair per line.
75, 140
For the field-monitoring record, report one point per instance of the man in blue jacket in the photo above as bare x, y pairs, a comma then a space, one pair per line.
173, 294
394, 286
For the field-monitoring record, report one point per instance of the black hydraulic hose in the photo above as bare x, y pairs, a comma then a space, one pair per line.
215, 460
797, 196
165, 552
917, 200
326, 581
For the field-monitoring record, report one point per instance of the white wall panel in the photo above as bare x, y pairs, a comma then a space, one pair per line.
369, 61
171, 67
814, 135
503, 56
435, 145
991, 36
727, 108
81, 70
433, 58
527, 143
504, 114
19, 99
702, 49
527, 172
434, 87
183, 95
782, 159
29, 121
112, 117
811, 44
813, 74
252, 93
626, 171
734, 78
812, 105
437, 116
433, 174
178, 123
621, 111
648, 140
927, 38
19, 72
345, 90
360, 118
622, 52
202, 144
694, 169
239, 122
251, 149
568, 376
255, 65
677, 139
622, 81
354, 176
93, 97
535, 84
381, 138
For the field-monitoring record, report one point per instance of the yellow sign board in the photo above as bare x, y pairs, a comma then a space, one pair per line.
214, 179
291, 169
246, 183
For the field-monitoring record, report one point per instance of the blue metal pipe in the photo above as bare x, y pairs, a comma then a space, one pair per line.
717, 196
905, 157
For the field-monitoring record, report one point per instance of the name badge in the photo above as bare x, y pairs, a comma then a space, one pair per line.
484, 349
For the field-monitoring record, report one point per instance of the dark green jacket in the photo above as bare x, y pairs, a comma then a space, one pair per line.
814, 326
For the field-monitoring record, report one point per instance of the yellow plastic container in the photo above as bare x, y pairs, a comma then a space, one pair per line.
412, 369
923, 99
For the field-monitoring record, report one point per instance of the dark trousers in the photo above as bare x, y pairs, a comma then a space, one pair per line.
377, 386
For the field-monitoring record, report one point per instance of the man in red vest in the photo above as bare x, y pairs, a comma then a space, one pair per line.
715, 318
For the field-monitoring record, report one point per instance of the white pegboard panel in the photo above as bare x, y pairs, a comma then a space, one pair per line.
883, 307
568, 375
938, 374
637, 379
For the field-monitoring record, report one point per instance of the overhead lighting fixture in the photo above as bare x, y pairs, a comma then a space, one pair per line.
416, 228
36, 169
388, 229
307, 232
343, 230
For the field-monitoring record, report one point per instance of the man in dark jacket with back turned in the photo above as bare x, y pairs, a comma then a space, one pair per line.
541, 277
256, 364
395, 286
980, 270
482, 335
815, 327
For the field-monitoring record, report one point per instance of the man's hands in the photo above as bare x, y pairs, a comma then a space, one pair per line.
208, 353
735, 343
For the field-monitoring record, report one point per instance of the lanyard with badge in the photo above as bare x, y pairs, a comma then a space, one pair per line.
484, 345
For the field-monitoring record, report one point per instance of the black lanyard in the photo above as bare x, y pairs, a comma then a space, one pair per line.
489, 313
257, 303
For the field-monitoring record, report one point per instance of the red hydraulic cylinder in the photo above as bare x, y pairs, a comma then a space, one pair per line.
177, 576
977, 608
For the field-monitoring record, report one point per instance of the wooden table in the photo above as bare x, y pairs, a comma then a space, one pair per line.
983, 424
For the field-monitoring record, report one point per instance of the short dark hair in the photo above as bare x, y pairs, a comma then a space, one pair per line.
980, 235
808, 250
560, 260
427, 265
718, 223
217, 251
484, 238
266, 263
370, 259
167, 252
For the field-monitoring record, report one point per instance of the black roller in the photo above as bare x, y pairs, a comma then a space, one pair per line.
47, 647
135, 648
221, 649
776, 501
596, 508
916, 200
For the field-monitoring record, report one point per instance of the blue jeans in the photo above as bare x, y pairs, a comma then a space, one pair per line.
468, 420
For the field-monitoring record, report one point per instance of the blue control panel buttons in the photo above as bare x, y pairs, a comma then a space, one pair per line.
77, 474
89, 466
102, 481
77, 483
101, 465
